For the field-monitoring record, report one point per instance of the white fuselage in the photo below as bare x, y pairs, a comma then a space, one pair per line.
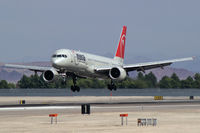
80, 63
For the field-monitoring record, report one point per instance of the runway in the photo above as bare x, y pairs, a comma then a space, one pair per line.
78, 101
173, 116
97, 108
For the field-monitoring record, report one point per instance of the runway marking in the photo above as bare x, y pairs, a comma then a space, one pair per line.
148, 106
94, 107
39, 108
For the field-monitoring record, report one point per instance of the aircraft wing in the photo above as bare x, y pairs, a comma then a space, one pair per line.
151, 65
145, 66
32, 68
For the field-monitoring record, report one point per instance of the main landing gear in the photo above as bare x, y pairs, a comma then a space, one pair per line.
75, 87
112, 86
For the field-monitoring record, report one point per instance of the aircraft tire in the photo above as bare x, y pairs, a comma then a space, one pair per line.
114, 87
109, 87
73, 88
77, 88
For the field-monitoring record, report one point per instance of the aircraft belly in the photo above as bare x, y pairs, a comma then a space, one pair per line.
91, 75
85, 72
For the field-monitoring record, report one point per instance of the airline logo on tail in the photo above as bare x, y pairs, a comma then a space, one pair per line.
121, 45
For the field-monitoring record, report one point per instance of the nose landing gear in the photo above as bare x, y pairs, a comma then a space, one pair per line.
75, 87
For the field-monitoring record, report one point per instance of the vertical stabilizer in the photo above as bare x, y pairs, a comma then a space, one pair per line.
119, 56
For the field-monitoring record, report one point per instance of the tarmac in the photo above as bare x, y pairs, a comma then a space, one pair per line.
173, 114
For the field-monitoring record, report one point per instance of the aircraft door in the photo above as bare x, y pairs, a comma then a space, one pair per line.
74, 57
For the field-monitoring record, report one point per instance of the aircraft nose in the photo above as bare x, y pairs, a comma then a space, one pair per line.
57, 62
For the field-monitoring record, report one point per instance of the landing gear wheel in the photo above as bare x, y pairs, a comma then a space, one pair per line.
112, 86
75, 87
109, 87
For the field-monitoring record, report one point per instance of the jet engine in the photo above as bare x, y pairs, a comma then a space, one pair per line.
50, 75
117, 73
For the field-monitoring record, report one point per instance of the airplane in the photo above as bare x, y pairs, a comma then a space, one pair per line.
76, 64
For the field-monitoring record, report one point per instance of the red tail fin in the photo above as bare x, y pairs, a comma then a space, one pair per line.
121, 45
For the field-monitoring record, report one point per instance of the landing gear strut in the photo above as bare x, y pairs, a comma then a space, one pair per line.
112, 86
64, 81
75, 87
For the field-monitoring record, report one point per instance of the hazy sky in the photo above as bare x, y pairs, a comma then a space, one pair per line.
33, 30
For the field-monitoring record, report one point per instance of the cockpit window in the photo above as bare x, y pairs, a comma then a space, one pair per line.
54, 56
59, 56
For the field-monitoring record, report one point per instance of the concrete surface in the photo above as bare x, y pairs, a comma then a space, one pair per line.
86, 99
103, 119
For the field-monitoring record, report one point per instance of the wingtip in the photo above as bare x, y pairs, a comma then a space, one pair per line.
193, 57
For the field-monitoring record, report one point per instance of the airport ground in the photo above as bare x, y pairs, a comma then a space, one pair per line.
174, 117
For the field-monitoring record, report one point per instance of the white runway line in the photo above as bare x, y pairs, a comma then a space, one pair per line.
148, 106
39, 108
94, 107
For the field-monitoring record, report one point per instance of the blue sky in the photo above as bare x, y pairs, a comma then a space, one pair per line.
157, 29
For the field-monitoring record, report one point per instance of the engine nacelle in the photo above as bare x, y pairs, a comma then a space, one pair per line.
50, 75
117, 73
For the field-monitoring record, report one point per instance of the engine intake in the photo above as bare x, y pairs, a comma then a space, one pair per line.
117, 73
50, 75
